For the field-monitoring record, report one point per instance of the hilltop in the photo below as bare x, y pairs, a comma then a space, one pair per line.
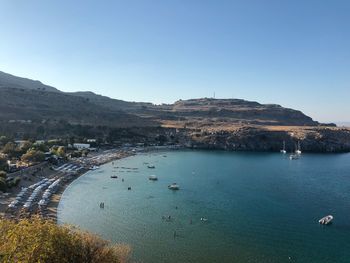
11, 81
25, 99
31, 109
230, 111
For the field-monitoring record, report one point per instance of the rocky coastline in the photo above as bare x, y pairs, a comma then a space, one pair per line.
318, 140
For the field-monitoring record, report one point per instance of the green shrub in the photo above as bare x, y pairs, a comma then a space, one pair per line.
16, 181
3, 184
3, 174
33, 156
3, 163
37, 240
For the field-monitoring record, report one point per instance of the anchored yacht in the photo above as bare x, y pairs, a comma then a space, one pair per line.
153, 177
326, 220
298, 150
284, 148
174, 186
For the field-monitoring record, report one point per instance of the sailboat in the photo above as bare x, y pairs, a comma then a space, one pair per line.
298, 150
284, 148
294, 156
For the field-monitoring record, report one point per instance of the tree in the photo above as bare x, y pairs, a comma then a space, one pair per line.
3, 174
14, 182
26, 146
40, 147
85, 152
33, 156
11, 150
76, 154
3, 163
37, 240
61, 151
3, 185
4, 140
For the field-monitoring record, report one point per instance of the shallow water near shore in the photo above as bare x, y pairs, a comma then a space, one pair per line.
261, 207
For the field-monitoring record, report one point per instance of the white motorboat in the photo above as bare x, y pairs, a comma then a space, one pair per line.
174, 186
153, 177
326, 220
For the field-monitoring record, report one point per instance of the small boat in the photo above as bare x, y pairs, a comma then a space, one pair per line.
174, 186
284, 148
114, 176
326, 220
293, 157
151, 166
153, 178
298, 150
95, 167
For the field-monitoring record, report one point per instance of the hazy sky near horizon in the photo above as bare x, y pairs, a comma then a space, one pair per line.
295, 53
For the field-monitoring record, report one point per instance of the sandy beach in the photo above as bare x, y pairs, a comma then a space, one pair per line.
49, 172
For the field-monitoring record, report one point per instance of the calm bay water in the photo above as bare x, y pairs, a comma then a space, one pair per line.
261, 207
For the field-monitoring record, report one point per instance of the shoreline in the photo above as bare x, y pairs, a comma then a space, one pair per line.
55, 200
67, 177
52, 207
48, 171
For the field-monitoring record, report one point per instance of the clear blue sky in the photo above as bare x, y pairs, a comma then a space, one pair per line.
295, 53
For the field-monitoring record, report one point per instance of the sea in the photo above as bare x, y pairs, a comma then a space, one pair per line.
233, 207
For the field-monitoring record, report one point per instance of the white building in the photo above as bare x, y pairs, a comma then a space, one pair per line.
81, 146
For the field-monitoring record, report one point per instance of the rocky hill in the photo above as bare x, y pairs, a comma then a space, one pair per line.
25, 99
38, 106
234, 111
29, 108
10, 81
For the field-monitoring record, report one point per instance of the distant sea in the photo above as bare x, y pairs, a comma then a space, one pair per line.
260, 207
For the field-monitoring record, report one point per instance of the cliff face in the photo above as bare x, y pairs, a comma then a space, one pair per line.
259, 139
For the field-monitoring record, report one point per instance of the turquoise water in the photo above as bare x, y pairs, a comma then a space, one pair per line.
261, 207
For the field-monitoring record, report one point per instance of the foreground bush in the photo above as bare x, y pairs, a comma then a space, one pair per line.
41, 241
